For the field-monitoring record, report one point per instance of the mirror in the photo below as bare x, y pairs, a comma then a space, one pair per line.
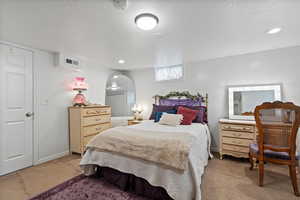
120, 94
243, 100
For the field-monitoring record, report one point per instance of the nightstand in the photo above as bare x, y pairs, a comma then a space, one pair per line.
133, 122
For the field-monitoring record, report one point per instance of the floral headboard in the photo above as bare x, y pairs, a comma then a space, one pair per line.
182, 98
185, 99
176, 102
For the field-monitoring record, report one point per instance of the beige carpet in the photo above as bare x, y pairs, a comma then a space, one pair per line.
227, 179
231, 179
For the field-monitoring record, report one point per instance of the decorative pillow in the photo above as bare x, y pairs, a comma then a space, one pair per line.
171, 119
201, 115
159, 114
158, 108
188, 115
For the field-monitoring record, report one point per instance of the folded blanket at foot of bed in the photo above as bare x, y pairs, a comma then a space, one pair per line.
167, 148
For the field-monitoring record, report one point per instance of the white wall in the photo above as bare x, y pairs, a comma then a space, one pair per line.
52, 98
213, 77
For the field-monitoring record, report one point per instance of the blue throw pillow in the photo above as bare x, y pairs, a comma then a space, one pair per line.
159, 114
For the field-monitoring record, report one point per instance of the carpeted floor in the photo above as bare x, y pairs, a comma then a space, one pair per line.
231, 179
228, 179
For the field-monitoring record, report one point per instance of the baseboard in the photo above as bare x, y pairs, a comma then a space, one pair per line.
52, 157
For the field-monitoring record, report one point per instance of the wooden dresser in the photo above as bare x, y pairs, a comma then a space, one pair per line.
235, 137
85, 123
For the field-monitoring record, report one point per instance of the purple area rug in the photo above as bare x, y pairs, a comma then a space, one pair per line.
86, 188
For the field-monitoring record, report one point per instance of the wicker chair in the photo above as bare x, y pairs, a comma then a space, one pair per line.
277, 124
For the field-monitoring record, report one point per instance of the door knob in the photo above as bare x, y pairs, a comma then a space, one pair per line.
29, 114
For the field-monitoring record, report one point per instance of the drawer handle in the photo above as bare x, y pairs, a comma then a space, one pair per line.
98, 120
236, 142
238, 134
91, 112
237, 128
98, 129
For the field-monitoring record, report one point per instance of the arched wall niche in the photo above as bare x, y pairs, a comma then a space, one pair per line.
120, 94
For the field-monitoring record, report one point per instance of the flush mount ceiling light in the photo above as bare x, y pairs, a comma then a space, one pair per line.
146, 21
274, 30
121, 61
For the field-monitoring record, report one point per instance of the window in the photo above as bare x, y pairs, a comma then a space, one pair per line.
168, 73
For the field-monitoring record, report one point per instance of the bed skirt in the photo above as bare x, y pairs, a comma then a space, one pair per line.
131, 183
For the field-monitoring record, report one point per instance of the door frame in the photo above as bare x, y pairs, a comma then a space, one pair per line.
35, 134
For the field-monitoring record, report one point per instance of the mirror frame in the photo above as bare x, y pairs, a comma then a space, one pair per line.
277, 97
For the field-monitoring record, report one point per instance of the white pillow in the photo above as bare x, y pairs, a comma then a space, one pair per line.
171, 119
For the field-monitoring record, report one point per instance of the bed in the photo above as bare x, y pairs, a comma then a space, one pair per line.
168, 182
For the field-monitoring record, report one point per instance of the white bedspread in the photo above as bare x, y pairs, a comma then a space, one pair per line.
180, 186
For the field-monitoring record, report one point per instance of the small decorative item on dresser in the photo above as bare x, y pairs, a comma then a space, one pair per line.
79, 85
85, 123
133, 122
236, 136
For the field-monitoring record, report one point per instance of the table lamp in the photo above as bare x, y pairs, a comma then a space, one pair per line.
137, 110
79, 85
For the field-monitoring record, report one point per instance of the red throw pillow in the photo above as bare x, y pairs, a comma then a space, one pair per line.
188, 115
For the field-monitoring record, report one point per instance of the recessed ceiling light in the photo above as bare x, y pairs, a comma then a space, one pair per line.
115, 76
121, 61
274, 30
146, 21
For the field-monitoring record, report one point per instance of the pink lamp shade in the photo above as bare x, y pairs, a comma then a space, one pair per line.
80, 84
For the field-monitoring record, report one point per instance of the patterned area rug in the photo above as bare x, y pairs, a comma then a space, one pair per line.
86, 188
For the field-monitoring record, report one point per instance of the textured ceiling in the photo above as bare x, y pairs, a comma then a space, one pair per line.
189, 30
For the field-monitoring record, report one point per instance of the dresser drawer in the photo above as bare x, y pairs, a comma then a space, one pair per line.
236, 154
236, 148
236, 127
235, 141
92, 130
235, 134
86, 139
96, 111
87, 121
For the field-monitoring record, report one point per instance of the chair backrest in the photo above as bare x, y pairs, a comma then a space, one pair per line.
277, 124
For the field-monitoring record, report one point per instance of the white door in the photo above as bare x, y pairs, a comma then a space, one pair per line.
16, 107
